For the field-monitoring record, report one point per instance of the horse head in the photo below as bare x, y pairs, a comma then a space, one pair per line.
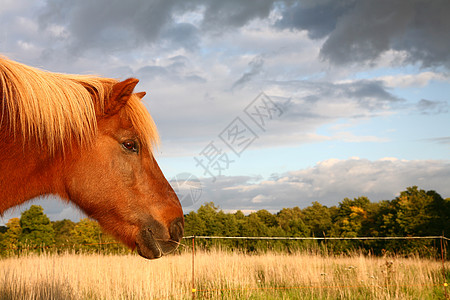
89, 140
117, 181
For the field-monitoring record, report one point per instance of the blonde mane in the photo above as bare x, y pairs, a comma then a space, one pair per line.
56, 109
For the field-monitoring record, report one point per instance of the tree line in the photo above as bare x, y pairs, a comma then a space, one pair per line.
34, 232
415, 212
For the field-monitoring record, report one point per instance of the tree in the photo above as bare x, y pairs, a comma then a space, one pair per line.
208, 213
87, 231
318, 219
415, 212
36, 228
439, 210
12, 234
230, 224
63, 232
291, 221
385, 219
351, 216
253, 226
3, 230
194, 225
267, 218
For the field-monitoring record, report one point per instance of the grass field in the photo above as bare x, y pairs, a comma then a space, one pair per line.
219, 275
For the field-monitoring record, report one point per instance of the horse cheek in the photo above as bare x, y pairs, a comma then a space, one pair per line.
124, 171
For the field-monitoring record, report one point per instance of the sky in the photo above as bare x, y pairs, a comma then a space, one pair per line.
263, 104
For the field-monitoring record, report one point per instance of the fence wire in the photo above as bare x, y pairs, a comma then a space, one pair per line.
317, 238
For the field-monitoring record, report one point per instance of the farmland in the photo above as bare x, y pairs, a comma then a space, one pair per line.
220, 274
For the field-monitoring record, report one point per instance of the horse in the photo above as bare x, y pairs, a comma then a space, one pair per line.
89, 140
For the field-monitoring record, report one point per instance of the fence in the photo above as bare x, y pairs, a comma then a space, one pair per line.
443, 240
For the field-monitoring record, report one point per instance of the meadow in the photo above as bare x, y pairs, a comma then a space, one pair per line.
219, 275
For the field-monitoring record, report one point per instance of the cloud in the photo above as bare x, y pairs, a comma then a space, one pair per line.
430, 107
361, 31
318, 18
202, 62
220, 15
306, 107
328, 182
336, 100
412, 80
444, 140
105, 24
350, 32
54, 207
226, 74
255, 66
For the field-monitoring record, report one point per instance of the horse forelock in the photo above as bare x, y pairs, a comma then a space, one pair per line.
57, 110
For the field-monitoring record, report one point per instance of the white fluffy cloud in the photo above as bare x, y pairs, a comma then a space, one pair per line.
328, 182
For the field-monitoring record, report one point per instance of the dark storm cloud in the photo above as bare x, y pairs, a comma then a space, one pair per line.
318, 18
119, 24
354, 31
182, 35
360, 31
104, 23
233, 13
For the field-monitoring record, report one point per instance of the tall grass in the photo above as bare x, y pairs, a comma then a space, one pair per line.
219, 275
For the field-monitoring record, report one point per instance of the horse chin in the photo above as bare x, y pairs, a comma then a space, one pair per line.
154, 240
150, 245
147, 246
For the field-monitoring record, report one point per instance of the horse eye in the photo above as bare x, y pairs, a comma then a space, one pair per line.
130, 145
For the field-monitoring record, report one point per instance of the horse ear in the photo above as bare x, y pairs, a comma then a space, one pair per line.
120, 94
141, 94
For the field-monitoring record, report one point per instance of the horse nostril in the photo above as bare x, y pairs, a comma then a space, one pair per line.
176, 229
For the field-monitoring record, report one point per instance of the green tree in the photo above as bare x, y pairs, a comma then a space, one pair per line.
415, 212
230, 224
36, 228
208, 213
291, 221
318, 219
439, 210
254, 226
267, 218
194, 225
87, 231
63, 232
351, 216
446, 217
385, 219
11, 236
3, 230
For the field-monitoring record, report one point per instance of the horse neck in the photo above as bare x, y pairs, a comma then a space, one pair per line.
26, 172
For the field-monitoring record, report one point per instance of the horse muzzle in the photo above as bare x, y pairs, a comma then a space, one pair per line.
152, 241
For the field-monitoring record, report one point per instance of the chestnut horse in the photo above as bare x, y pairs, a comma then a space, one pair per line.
88, 140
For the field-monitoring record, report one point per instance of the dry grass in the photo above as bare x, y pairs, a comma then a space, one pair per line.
219, 275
